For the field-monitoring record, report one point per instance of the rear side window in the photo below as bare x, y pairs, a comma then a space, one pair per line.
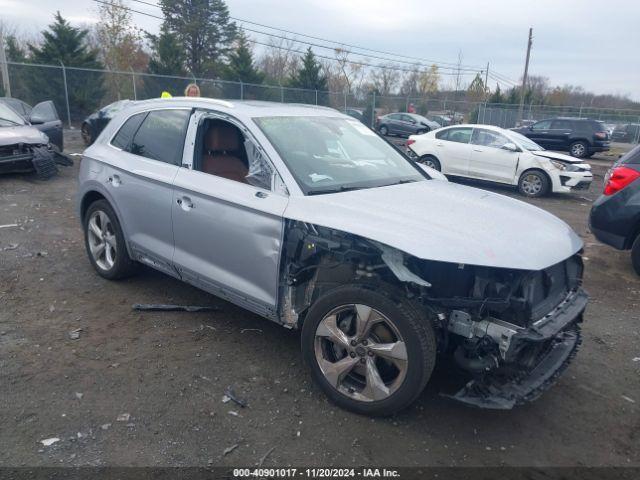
459, 135
561, 125
123, 138
161, 136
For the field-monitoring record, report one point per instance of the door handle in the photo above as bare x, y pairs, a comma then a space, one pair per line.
185, 203
439, 144
478, 150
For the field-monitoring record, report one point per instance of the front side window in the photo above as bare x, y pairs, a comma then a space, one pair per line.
488, 138
543, 125
459, 135
161, 136
561, 125
331, 154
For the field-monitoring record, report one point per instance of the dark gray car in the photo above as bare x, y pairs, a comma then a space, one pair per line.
405, 124
43, 116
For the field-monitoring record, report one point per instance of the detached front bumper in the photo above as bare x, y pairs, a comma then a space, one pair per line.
536, 357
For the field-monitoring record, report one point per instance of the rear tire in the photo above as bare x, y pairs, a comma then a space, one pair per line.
357, 376
105, 244
635, 255
430, 161
579, 149
534, 183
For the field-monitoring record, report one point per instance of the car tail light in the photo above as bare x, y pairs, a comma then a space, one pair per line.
601, 135
410, 142
619, 178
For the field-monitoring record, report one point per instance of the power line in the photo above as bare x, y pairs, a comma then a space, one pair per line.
441, 64
353, 62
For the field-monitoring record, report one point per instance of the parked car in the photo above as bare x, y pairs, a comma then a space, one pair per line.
485, 152
308, 218
442, 120
578, 136
626, 133
405, 124
355, 113
43, 116
93, 125
615, 216
24, 148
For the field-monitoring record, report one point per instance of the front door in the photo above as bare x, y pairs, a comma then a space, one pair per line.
44, 117
228, 232
540, 133
489, 159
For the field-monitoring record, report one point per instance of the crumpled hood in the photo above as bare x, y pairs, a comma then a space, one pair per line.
445, 222
557, 156
22, 134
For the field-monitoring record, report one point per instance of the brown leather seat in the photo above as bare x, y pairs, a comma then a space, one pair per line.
222, 144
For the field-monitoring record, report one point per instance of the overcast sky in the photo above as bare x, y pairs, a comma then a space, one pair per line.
592, 43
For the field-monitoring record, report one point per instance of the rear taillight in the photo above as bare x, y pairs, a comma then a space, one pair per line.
601, 135
410, 142
619, 178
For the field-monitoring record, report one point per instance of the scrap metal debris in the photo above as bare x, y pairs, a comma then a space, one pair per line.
9, 225
161, 307
230, 449
11, 246
75, 334
47, 442
123, 417
628, 399
231, 395
250, 330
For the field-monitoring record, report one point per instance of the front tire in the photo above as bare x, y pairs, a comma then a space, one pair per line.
534, 183
579, 149
384, 131
635, 255
370, 352
105, 243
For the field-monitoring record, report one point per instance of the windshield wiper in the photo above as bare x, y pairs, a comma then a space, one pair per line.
336, 189
400, 182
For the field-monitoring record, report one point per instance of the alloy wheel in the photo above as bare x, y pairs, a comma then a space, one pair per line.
429, 163
102, 240
578, 150
360, 352
532, 184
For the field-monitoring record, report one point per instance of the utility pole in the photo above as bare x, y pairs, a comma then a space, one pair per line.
486, 80
524, 77
3, 65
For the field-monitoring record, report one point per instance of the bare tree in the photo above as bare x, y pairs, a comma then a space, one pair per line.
279, 60
384, 79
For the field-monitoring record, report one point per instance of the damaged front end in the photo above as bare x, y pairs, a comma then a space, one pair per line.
514, 331
26, 158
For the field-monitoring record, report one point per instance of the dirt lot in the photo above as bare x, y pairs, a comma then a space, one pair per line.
168, 371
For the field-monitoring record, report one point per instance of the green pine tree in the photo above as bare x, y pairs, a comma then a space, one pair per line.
496, 96
203, 29
241, 67
66, 44
309, 76
167, 58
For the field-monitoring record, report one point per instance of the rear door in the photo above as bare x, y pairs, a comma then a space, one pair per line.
150, 150
44, 117
453, 150
489, 160
559, 134
539, 133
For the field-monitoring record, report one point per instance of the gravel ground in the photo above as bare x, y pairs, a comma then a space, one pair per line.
146, 388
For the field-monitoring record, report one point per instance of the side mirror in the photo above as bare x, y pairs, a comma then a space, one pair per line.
43, 112
510, 147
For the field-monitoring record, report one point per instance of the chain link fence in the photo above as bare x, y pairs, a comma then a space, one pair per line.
78, 92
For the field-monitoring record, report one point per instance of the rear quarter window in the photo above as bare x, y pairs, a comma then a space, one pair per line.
122, 139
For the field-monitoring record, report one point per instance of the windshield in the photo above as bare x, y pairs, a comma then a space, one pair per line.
524, 142
9, 118
331, 154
